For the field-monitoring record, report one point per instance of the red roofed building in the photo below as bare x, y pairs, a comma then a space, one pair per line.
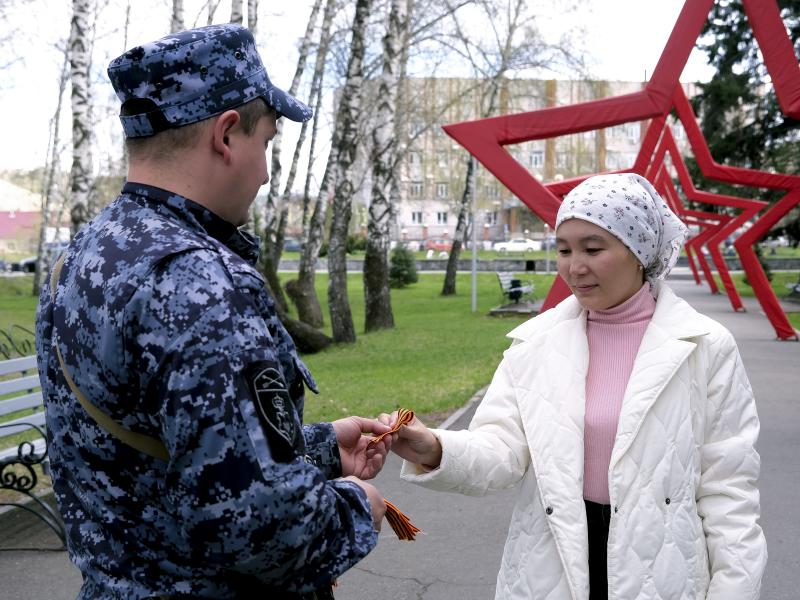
20, 219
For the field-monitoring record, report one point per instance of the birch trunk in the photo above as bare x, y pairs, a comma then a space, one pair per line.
81, 172
350, 111
252, 16
505, 56
377, 296
236, 12
302, 290
449, 287
212, 8
273, 240
176, 22
43, 259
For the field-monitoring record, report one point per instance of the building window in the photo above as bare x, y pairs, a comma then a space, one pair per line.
441, 218
491, 218
415, 189
441, 159
537, 159
413, 159
416, 217
442, 190
632, 130
491, 190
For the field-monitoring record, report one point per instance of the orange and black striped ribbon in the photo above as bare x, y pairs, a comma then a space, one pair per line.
404, 417
400, 523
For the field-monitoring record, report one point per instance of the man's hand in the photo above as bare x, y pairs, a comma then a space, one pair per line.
358, 457
376, 501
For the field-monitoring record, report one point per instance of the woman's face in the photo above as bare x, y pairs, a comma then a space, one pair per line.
599, 269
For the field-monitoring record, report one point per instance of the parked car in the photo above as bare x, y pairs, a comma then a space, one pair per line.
438, 244
518, 245
291, 245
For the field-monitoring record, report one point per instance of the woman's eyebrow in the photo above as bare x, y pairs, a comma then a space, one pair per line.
583, 240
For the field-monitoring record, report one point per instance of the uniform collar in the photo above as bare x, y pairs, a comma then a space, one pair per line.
197, 218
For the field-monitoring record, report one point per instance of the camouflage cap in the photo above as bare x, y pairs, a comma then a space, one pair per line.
193, 75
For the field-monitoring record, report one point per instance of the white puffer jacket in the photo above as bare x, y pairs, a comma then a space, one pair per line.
683, 471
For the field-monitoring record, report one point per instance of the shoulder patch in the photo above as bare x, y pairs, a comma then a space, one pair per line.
275, 410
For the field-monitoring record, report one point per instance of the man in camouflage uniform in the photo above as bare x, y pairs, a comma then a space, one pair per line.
160, 323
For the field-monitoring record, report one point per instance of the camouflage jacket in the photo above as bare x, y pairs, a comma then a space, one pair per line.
165, 325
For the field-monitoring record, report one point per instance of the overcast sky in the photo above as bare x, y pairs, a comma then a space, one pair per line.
625, 37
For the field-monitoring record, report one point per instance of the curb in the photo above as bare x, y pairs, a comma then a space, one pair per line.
476, 397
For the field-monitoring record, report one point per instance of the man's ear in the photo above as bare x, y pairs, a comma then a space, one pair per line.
221, 133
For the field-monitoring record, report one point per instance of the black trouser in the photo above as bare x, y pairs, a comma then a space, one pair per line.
598, 517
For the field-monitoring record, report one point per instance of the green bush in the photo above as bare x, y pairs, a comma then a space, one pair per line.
403, 268
356, 243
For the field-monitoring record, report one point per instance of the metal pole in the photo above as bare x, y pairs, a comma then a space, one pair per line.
474, 237
547, 248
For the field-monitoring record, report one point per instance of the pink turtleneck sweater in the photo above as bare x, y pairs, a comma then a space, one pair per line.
614, 338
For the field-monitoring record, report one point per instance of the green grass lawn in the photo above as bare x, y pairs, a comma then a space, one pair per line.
436, 357
17, 314
778, 283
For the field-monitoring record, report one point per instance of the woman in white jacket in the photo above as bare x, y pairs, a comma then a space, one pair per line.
628, 417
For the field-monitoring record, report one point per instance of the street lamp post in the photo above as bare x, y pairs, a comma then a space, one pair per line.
547, 248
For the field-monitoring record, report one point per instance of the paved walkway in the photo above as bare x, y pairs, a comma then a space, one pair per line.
459, 554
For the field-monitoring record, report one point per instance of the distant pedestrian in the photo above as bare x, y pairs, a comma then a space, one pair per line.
173, 394
628, 418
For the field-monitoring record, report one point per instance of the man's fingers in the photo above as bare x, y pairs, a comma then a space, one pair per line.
373, 426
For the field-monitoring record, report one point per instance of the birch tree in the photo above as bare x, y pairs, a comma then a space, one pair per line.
236, 12
273, 246
81, 171
252, 16
302, 290
49, 188
176, 22
377, 298
514, 44
350, 111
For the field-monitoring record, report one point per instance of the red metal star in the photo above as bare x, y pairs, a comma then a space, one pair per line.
485, 139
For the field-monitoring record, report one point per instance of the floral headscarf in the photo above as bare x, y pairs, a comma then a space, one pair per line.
627, 206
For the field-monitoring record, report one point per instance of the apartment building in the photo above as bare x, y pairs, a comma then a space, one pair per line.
434, 171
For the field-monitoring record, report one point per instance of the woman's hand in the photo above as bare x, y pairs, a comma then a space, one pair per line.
414, 442
358, 457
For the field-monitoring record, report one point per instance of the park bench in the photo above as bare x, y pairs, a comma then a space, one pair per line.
794, 291
514, 289
22, 412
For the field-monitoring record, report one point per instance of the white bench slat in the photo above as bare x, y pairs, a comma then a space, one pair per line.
15, 425
31, 382
20, 403
504, 277
17, 365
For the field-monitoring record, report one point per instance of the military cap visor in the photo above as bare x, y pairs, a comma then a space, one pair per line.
192, 75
